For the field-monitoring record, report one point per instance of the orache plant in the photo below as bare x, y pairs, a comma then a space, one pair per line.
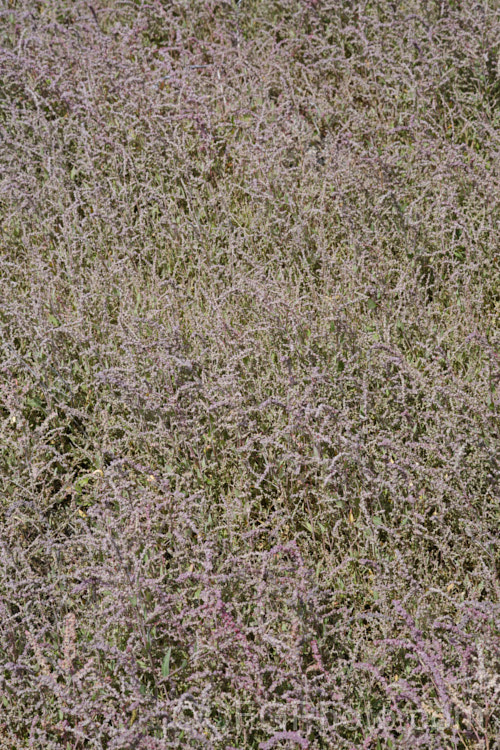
249, 374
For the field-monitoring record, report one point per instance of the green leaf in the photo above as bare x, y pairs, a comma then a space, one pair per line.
35, 403
371, 304
165, 667
80, 483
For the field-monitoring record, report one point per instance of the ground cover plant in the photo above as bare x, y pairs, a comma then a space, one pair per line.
249, 374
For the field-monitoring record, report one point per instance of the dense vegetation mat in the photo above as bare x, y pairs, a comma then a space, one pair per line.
249, 374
